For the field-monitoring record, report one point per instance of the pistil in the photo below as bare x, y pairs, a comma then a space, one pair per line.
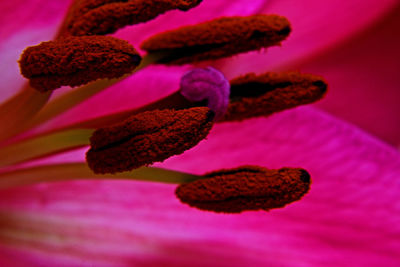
208, 85
18, 111
44, 145
251, 96
79, 171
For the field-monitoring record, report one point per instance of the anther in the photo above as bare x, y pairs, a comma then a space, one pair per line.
76, 61
98, 17
146, 138
218, 38
208, 85
262, 95
245, 188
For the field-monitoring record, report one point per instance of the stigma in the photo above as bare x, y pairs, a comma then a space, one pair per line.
209, 85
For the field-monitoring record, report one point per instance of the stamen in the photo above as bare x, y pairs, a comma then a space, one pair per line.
75, 61
44, 145
19, 110
97, 17
78, 171
75, 97
147, 138
219, 38
262, 95
245, 188
208, 85
173, 101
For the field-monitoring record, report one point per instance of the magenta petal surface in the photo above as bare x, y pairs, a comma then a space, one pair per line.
350, 217
316, 26
24, 23
363, 79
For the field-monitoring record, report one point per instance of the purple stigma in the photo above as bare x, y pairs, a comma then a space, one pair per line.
207, 84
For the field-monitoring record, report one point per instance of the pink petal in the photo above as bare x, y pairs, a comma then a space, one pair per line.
350, 217
24, 23
363, 80
316, 27
18, 15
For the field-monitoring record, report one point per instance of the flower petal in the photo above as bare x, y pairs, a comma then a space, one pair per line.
24, 23
317, 26
350, 216
362, 76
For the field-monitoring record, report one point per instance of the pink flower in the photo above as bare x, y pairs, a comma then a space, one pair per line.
350, 216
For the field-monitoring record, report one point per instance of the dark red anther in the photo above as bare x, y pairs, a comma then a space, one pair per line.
245, 188
218, 38
262, 95
146, 138
76, 61
98, 17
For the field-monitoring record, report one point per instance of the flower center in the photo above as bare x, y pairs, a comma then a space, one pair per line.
124, 142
